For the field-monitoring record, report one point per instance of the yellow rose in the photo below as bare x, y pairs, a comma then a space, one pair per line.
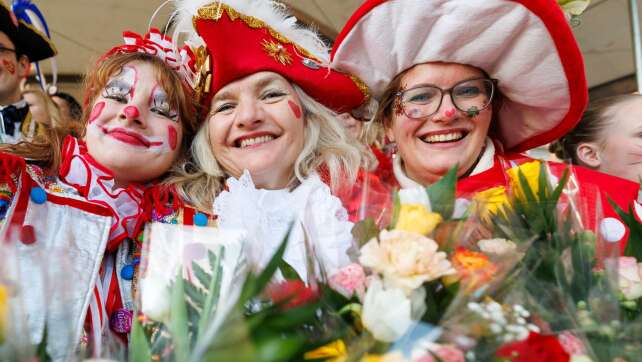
530, 170
406, 260
416, 218
489, 201
4, 311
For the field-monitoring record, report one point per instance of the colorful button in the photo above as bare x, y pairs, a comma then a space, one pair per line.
127, 272
4, 207
200, 219
136, 261
121, 321
38, 195
27, 235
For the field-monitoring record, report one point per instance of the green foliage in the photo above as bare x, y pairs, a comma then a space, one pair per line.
442, 193
365, 230
634, 244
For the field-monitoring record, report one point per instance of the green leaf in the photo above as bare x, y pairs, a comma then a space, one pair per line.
178, 319
255, 285
634, 245
213, 289
288, 272
202, 276
365, 230
396, 208
279, 348
139, 350
442, 193
43, 356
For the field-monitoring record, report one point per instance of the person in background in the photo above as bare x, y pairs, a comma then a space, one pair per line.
19, 45
608, 138
43, 109
68, 105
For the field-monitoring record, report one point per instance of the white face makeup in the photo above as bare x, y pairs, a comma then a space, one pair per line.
132, 129
257, 124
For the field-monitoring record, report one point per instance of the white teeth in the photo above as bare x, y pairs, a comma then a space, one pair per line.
256, 140
444, 137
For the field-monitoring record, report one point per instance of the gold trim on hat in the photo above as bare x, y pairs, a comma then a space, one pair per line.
215, 11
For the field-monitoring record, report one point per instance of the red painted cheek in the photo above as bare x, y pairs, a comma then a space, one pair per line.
173, 137
295, 109
131, 112
97, 111
9, 66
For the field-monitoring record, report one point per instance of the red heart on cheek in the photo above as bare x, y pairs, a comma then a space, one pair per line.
9, 66
173, 137
295, 109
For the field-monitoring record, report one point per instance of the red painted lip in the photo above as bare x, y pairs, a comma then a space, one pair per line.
127, 136
445, 131
237, 141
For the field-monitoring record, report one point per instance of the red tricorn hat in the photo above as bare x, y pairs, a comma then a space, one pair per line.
244, 37
526, 44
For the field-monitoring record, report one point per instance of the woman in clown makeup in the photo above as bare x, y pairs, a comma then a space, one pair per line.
271, 150
473, 83
84, 196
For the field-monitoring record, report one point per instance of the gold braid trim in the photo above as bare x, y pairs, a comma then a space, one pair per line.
215, 11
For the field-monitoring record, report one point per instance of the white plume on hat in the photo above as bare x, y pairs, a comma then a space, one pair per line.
273, 13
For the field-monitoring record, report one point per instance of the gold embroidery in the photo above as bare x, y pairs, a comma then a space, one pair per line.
215, 11
203, 80
277, 51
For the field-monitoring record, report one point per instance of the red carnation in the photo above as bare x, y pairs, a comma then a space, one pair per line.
295, 292
535, 348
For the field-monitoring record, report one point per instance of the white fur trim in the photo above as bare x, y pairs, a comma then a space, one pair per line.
501, 37
271, 12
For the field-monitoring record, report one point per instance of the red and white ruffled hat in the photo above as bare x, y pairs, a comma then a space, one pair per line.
243, 37
526, 44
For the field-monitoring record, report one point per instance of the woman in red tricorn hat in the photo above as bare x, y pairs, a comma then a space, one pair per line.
270, 104
472, 83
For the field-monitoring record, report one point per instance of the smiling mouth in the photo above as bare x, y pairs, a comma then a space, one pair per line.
448, 137
250, 141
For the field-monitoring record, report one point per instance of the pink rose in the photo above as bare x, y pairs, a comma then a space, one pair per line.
349, 280
630, 277
571, 344
443, 352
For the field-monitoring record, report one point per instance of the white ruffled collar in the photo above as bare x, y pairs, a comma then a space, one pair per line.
266, 216
486, 162
96, 184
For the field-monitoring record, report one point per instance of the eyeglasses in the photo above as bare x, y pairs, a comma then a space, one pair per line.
6, 50
470, 96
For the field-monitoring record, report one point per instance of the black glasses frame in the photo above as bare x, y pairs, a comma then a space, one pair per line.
470, 112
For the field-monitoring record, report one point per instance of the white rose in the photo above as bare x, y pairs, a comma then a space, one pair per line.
496, 247
388, 313
154, 299
630, 277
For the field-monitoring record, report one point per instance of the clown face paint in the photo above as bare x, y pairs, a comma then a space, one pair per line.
256, 124
431, 146
621, 151
133, 129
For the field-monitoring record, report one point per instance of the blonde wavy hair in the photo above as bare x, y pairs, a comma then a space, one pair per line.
326, 148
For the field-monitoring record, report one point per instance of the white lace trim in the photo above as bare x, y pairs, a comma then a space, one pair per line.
266, 216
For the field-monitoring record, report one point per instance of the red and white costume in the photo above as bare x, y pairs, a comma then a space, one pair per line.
526, 44
82, 216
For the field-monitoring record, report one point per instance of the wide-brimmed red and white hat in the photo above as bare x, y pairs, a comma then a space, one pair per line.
243, 37
526, 44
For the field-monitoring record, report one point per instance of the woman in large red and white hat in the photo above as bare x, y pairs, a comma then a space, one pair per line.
270, 106
472, 83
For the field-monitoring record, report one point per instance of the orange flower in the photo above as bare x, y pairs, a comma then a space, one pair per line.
473, 267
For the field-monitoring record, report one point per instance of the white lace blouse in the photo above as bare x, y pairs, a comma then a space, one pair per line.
266, 215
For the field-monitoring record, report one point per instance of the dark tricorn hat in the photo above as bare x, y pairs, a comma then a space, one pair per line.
27, 40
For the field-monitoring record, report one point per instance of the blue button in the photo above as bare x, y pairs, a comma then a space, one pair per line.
127, 272
4, 207
174, 221
136, 261
38, 195
200, 219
